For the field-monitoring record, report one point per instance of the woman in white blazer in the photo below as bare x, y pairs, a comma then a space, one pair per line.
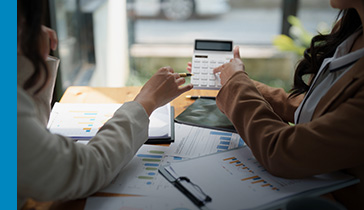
52, 167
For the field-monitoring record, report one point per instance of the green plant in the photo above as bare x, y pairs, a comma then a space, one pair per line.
301, 38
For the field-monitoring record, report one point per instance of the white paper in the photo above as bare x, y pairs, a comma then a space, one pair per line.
136, 178
141, 176
235, 180
139, 203
192, 141
160, 122
82, 121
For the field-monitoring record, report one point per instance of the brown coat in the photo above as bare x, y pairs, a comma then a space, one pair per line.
333, 140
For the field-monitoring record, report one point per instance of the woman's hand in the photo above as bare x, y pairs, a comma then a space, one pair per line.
161, 88
228, 69
49, 41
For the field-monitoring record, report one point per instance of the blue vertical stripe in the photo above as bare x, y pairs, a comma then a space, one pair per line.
220, 133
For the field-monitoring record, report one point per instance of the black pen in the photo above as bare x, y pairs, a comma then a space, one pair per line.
196, 97
185, 74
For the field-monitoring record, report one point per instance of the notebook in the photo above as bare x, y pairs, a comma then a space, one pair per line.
82, 121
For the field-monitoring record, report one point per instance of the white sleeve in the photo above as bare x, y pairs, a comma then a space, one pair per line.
53, 167
42, 99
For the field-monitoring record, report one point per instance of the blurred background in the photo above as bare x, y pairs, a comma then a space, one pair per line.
113, 43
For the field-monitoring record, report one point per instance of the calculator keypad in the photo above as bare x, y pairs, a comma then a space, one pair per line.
202, 70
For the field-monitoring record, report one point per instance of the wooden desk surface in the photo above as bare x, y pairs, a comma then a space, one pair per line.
84, 94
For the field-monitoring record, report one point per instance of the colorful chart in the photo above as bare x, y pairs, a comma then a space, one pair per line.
224, 140
248, 173
141, 176
151, 162
80, 121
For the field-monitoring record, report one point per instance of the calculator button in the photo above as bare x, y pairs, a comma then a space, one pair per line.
196, 65
204, 71
195, 81
203, 83
203, 66
212, 83
204, 77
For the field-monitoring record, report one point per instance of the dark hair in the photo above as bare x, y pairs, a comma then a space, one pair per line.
30, 19
324, 46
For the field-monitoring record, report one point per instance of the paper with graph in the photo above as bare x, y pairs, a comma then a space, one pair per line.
82, 121
192, 141
141, 177
235, 180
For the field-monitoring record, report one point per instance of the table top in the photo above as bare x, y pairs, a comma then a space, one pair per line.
85, 94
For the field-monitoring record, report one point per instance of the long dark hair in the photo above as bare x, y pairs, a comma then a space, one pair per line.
324, 46
30, 19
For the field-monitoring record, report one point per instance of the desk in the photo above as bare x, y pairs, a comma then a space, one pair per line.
83, 94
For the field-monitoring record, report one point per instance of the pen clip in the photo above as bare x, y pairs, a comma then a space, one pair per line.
199, 199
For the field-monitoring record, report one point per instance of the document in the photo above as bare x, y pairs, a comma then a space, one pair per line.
235, 180
83, 121
139, 203
141, 177
192, 141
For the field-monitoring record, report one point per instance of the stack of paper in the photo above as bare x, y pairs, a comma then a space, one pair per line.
82, 121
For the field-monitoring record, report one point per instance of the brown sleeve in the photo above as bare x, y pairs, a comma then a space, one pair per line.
280, 101
331, 142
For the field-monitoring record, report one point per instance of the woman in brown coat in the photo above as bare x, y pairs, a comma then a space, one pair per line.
328, 112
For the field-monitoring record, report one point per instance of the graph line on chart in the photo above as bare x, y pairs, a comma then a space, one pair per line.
249, 174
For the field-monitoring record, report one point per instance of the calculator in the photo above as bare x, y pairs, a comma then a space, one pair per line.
207, 55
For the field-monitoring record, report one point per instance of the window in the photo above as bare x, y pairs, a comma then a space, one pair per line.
117, 43
161, 40
74, 26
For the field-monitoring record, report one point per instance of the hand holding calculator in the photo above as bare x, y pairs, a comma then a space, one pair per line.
209, 54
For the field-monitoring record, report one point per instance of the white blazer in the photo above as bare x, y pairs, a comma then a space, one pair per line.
53, 167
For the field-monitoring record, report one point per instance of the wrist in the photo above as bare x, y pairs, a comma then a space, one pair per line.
149, 106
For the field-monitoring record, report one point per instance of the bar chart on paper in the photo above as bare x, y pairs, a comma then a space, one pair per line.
192, 141
150, 161
80, 121
141, 175
225, 140
234, 179
248, 174
253, 175
83, 121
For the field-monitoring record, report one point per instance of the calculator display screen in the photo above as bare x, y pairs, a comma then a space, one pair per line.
213, 45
